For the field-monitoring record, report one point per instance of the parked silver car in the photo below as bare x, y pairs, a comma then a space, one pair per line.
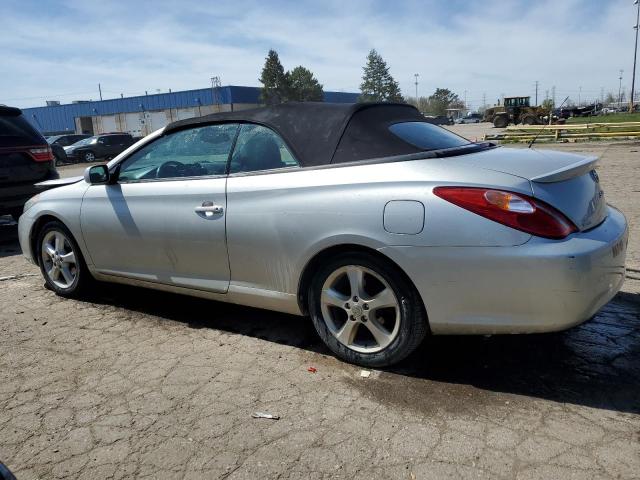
379, 225
470, 118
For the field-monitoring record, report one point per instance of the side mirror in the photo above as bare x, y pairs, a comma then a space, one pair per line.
96, 175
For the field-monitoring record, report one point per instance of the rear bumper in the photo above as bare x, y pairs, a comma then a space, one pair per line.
15, 196
540, 286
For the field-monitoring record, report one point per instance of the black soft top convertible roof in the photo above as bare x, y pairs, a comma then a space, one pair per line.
322, 133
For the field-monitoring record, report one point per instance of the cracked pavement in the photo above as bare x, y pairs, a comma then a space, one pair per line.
144, 384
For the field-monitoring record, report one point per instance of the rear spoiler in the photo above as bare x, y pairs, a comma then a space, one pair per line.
574, 170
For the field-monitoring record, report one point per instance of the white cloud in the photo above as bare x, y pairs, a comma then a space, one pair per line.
490, 47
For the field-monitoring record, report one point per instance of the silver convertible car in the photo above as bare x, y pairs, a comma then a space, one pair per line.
377, 224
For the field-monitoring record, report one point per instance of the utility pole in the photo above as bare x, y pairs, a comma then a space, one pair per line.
635, 55
465, 101
484, 101
536, 93
416, 75
602, 95
620, 89
553, 95
579, 95
100, 91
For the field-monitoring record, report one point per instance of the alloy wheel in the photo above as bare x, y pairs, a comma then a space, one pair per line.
360, 309
59, 259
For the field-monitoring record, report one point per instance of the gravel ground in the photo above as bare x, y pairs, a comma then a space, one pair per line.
136, 383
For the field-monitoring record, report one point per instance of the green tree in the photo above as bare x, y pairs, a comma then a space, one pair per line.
442, 99
303, 86
377, 83
547, 104
421, 104
275, 82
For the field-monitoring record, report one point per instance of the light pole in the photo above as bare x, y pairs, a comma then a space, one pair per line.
416, 75
620, 89
635, 55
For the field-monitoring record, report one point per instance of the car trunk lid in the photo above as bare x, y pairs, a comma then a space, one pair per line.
566, 181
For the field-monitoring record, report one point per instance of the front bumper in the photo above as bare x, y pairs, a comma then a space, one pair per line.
72, 156
540, 286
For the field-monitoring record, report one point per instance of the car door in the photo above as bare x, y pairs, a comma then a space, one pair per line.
259, 183
163, 221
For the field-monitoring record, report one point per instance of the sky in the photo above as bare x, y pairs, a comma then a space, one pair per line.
481, 49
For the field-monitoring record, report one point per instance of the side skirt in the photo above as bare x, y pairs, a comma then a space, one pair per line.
240, 295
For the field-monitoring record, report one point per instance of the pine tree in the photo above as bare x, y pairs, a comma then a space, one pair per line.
274, 80
304, 87
377, 83
442, 99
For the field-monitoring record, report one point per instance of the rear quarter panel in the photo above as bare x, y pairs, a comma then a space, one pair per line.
277, 222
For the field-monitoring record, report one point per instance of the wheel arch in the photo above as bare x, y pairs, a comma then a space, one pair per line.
316, 261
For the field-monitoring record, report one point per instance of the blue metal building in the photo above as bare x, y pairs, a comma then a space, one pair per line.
62, 118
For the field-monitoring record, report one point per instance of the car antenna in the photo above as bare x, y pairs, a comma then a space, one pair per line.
545, 125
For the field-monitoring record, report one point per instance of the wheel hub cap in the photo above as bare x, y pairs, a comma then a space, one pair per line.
360, 309
58, 259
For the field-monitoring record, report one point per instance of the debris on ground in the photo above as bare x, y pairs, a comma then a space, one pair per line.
312, 369
365, 373
269, 416
17, 277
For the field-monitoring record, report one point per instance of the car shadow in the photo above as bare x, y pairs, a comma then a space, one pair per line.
8, 237
596, 364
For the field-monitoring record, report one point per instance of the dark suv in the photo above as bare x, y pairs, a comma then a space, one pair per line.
58, 142
107, 145
25, 159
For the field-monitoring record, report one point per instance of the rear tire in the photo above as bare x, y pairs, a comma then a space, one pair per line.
61, 261
88, 157
366, 311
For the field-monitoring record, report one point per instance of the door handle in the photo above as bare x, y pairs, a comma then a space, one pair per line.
210, 208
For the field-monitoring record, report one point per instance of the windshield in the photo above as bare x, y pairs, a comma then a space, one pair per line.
426, 136
85, 141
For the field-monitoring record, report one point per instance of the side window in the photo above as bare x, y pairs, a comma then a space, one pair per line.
260, 148
194, 152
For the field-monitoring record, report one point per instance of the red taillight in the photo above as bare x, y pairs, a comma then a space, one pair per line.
41, 153
513, 210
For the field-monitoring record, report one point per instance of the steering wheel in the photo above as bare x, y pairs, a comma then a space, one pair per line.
171, 168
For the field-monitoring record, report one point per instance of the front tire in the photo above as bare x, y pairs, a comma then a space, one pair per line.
365, 310
61, 262
500, 121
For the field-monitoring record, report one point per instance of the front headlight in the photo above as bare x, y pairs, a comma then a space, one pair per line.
31, 202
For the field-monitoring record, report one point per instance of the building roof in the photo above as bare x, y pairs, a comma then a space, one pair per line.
320, 133
61, 118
